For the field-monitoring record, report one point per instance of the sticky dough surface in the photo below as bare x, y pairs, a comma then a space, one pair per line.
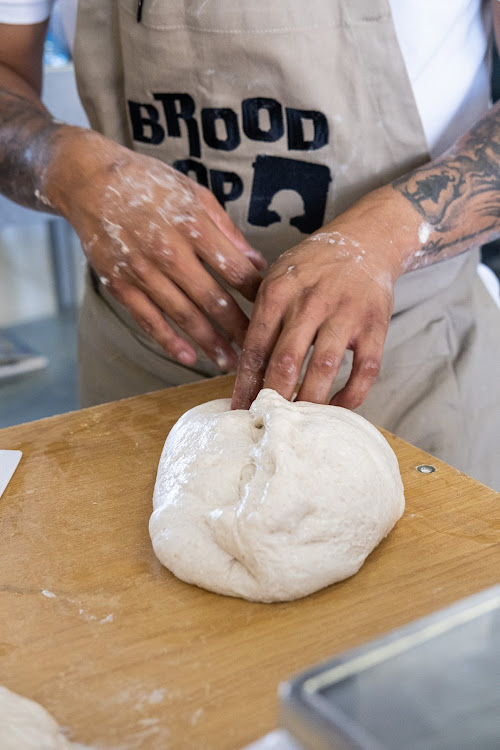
273, 503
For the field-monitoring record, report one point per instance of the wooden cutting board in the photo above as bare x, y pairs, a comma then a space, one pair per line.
125, 655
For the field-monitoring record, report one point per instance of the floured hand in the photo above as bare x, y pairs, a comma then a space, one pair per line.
333, 291
148, 231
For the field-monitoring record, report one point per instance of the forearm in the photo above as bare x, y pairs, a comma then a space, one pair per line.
456, 198
439, 210
28, 136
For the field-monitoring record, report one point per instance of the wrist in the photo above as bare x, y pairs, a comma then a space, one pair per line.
76, 157
386, 227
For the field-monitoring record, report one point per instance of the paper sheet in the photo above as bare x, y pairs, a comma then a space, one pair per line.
8, 464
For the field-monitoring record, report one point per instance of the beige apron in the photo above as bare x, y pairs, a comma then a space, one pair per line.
289, 111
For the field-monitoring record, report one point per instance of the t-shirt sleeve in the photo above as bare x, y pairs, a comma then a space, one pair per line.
24, 11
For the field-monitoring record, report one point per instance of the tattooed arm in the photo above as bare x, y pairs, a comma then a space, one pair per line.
146, 229
335, 289
457, 195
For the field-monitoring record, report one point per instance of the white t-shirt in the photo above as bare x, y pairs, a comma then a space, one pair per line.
445, 46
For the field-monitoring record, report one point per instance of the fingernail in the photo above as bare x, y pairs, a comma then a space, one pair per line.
186, 357
225, 360
255, 255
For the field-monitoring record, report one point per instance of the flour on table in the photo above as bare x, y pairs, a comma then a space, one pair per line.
25, 725
272, 503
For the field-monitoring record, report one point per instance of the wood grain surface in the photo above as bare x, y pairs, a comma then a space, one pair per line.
126, 656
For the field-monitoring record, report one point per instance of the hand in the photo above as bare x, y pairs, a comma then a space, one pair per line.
334, 290
148, 231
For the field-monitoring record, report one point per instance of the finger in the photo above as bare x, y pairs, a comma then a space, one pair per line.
185, 269
263, 332
173, 302
192, 321
222, 221
221, 255
365, 368
219, 305
329, 348
290, 350
151, 320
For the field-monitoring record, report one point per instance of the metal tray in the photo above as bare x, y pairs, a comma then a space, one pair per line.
433, 685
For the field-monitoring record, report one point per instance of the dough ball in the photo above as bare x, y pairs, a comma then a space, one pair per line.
25, 725
273, 503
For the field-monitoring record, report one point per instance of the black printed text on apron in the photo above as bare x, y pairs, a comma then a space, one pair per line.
258, 120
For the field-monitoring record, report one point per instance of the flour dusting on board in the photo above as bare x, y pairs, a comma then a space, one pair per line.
100, 619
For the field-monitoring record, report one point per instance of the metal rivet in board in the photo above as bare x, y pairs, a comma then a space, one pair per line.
426, 469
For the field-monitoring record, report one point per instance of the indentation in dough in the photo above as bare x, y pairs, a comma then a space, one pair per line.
247, 474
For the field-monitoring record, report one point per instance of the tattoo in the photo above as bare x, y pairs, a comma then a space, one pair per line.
459, 193
26, 137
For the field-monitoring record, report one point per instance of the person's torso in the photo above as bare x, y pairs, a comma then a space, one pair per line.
287, 111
